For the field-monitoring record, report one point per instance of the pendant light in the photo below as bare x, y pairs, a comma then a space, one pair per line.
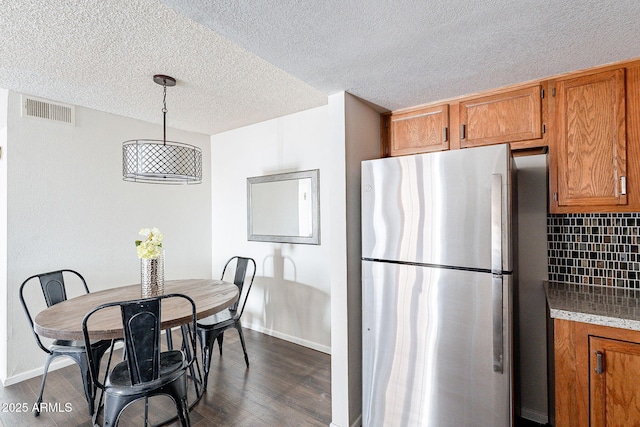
161, 161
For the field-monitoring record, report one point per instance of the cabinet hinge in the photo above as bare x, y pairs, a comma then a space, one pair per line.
623, 185
555, 197
544, 128
462, 131
541, 93
553, 91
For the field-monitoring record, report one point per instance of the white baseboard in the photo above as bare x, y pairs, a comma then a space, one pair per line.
537, 416
295, 340
58, 363
356, 423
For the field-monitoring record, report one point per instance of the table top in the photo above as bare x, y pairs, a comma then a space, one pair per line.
64, 320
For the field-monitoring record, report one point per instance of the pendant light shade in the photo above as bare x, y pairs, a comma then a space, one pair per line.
161, 161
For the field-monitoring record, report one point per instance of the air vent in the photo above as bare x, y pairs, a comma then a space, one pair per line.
47, 110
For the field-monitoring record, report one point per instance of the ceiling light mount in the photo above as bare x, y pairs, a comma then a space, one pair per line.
163, 80
161, 161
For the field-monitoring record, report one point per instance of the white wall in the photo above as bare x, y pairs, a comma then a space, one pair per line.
361, 137
4, 98
532, 266
306, 294
69, 208
290, 298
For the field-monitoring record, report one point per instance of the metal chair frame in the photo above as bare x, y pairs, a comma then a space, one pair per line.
146, 371
212, 328
54, 291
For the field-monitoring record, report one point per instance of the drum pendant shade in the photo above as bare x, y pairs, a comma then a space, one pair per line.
161, 161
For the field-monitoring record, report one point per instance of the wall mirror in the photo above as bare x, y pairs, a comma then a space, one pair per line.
284, 207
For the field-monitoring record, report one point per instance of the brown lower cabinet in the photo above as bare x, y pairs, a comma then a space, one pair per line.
597, 375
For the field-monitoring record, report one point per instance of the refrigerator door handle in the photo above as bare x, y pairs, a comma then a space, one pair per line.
498, 342
496, 223
496, 267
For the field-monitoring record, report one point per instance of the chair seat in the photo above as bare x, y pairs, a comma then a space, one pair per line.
172, 365
67, 346
219, 320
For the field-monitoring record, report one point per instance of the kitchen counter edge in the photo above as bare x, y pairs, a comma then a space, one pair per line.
600, 305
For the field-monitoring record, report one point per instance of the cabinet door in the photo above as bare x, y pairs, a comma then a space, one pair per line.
591, 140
419, 131
614, 394
506, 117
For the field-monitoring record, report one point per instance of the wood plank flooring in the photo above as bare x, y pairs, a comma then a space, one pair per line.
286, 385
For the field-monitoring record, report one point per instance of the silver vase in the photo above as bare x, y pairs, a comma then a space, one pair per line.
152, 276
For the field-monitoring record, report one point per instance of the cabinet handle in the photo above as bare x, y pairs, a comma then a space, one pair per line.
444, 134
462, 133
599, 362
623, 185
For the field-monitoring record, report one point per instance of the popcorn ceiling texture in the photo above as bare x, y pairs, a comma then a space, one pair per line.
102, 54
399, 54
595, 249
243, 62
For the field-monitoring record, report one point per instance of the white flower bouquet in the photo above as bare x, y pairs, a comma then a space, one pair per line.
151, 246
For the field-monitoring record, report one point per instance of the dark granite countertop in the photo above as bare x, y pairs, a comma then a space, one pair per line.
601, 305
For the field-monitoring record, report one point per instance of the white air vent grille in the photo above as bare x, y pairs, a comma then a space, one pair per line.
43, 109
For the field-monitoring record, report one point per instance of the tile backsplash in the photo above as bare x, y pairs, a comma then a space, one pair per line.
596, 249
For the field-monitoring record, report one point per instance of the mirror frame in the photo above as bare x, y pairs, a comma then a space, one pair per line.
314, 174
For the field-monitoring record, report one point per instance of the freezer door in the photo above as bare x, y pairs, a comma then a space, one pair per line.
428, 348
436, 208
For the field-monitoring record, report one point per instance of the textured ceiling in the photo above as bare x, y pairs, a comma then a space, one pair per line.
102, 54
241, 62
402, 53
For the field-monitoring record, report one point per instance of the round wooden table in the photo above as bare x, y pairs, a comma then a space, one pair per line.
64, 320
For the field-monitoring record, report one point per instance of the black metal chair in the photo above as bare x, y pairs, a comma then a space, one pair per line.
212, 328
54, 291
146, 372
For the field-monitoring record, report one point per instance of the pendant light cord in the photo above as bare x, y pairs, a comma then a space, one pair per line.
164, 113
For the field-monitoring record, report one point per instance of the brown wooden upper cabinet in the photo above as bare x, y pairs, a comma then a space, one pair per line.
590, 142
510, 116
419, 131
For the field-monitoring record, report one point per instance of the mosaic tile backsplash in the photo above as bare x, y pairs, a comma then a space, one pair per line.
595, 249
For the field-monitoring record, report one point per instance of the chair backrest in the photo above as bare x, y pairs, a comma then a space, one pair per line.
242, 265
54, 291
141, 325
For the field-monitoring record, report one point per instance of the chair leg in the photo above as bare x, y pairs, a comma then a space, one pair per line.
44, 379
85, 370
238, 326
178, 392
183, 412
169, 339
113, 406
87, 383
206, 342
219, 338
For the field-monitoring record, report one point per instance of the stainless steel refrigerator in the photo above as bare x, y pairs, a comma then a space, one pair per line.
437, 266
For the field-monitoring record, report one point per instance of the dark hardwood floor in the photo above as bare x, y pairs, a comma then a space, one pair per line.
521, 422
286, 385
